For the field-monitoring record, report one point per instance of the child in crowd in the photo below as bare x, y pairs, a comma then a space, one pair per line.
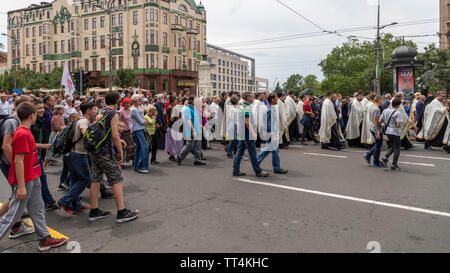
24, 176
150, 117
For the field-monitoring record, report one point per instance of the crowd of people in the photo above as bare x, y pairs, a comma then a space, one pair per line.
100, 132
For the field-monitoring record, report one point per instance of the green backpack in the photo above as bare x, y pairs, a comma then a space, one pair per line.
96, 135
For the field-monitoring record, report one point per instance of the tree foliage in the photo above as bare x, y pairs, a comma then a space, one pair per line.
31, 80
126, 78
436, 72
351, 66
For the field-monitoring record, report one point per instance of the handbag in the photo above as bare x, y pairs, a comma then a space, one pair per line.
385, 126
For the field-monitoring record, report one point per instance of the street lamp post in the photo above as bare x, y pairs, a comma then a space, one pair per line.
378, 68
14, 58
108, 11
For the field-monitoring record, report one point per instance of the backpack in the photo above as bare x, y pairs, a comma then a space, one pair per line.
63, 143
96, 135
2, 123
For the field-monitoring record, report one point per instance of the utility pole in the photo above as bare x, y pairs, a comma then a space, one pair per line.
14, 41
108, 11
378, 69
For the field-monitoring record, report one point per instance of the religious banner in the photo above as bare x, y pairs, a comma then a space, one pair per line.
406, 80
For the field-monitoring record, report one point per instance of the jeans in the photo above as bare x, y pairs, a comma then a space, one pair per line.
231, 146
308, 127
376, 149
275, 158
81, 177
141, 151
394, 149
192, 145
65, 175
45, 139
251, 147
46, 195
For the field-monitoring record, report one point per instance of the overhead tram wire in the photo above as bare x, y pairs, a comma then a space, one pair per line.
321, 33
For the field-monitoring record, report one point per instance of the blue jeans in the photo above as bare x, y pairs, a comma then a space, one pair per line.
81, 177
275, 158
65, 175
376, 149
141, 151
251, 147
46, 195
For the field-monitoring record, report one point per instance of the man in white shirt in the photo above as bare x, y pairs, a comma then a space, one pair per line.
67, 109
5, 110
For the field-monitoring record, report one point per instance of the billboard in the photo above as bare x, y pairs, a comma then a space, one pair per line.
406, 80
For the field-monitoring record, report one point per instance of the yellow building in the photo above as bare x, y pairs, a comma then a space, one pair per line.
445, 23
162, 40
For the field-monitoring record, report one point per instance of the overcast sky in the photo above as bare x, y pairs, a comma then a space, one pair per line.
234, 21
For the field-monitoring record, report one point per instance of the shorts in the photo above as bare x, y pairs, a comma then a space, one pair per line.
105, 164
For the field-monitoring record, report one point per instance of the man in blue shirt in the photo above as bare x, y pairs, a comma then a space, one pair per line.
270, 134
47, 128
192, 134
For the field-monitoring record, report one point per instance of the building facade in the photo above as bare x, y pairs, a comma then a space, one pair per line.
163, 41
262, 84
230, 71
3, 62
444, 23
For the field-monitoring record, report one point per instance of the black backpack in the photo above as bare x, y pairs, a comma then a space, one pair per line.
2, 123
96, 135
63, 142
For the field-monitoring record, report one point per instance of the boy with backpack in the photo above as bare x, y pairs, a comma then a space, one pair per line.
24, 174
78, 161
99, 140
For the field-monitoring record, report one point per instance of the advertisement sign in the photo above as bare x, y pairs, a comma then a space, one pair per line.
406, 80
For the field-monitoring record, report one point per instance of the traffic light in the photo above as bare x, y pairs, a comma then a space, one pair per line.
76, 79
85, 80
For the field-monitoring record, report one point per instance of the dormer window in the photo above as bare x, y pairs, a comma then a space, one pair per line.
182, 8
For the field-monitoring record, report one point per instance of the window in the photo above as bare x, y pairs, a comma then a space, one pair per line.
34, 32
86, 64
152, 15
102, 22
62, 27
94, 23
63, 46
102, 64
86, 8
120, 39
113, 20
94, 64
27, 33
86, 24
164, 38
182, 8
113, 63
135, 18
86, 43
72, 48
55, 29
152, 37
94, 42
27, 50
113, 40
102, 41
120, 19
77, 10
164, 18
120, 62
165, 62
175, 19
55, 47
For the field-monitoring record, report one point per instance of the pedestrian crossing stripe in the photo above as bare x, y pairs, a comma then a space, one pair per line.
55, 234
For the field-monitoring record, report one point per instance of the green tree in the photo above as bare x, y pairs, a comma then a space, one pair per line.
278, 88
125, 78
435, 74
311, 85
351, 66
294, 83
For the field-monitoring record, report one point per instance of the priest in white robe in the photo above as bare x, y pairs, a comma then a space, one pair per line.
300, 114
329, 130
355, 120
435, 122
292, 117
257, 108
282, 110
366, 135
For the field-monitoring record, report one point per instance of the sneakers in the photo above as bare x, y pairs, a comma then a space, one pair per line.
66, 210
385, 162
239, 174
85, 208
126, 215
245, 158
97, 214
395, 168
106, 193
199, 163
142, 171
263, 174
281, 171
50, 242
367, 158
63, 187
22, 230
378, 165
49, 207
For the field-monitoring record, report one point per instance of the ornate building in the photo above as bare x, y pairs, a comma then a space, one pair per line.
163, 41
445, 23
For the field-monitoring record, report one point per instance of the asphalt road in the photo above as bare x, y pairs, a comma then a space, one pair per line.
330, 201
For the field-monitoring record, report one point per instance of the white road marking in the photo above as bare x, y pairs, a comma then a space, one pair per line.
336, 156
428, 157
361, 200
417, 164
